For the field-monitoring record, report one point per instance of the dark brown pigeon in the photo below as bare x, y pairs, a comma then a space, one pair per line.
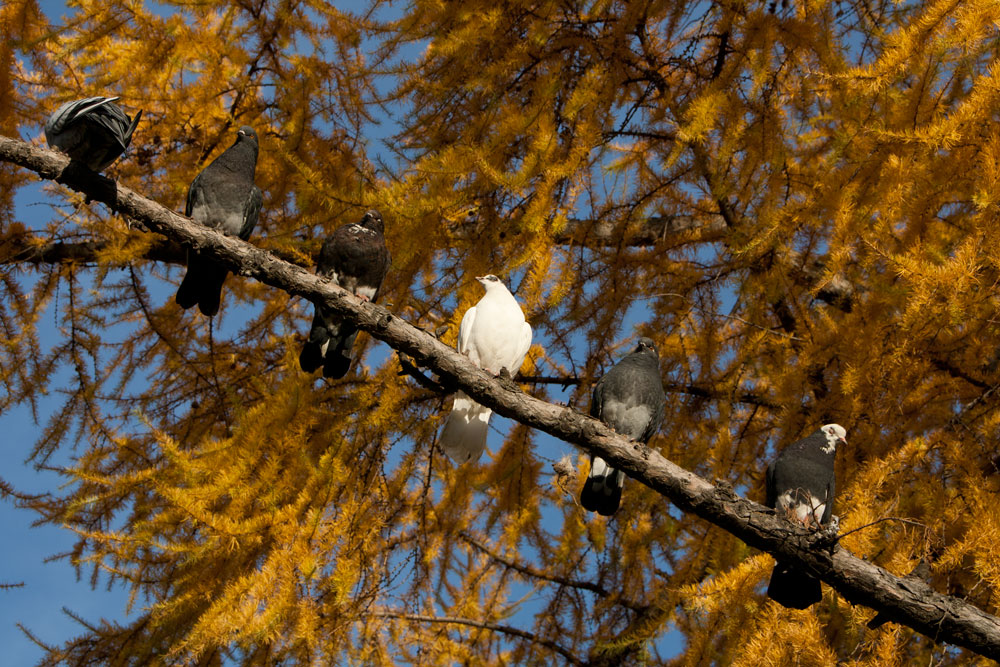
356, 258
800, 486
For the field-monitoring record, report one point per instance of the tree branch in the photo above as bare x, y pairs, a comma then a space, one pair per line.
28, 248
940, 617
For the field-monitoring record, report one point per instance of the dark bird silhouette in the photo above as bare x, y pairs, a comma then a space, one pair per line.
92, 131
356, 258
800, 486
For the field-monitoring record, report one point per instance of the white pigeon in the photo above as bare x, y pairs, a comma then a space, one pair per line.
493, 335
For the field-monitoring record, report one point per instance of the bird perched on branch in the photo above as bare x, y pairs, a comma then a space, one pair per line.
494, 335
92, 131
800, 486
224, 197
356, 258
629, 399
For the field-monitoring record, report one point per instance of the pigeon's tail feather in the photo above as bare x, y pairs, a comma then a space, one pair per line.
793, 588
602, 492
202, 285
189, 291
338, 354
329, 345
463, 437
311, 357
336, 364
211, 295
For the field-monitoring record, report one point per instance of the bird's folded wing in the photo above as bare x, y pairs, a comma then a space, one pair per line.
251, 210
465, 335
523, 345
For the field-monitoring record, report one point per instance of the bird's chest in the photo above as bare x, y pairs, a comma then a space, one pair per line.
627, 416
495, 333
801, 506
802, 489
220, 206
354, 284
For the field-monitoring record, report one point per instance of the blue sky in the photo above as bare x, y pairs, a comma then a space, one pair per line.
48, 586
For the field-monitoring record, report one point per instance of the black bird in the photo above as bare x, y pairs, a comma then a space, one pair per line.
356, 258
800, 486
629, 399
223, 197
92, 131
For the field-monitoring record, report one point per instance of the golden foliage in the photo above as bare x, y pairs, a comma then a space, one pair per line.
825, 178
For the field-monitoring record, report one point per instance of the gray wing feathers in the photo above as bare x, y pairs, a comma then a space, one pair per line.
92, 131
222, 196
251, 211
629, 399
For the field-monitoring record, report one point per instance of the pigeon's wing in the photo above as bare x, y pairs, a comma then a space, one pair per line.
652, 397
828, 505
70, 111
523, 345
384, 269
131, 128
465, 334
597, 400
194, 192
771, 493
251, 211
114, 122
92, 103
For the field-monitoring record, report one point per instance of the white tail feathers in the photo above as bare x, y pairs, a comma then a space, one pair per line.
463, 437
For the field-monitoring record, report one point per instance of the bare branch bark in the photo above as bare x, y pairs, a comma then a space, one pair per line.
940, 617
29, 248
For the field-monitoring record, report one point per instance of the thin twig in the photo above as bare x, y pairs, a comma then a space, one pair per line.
495, 627
712, 313
877, 521
537, 574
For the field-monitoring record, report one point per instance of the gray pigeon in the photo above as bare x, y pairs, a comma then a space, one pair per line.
93, 131
494, 335
629, 398
223, 197
355, 258
800, 486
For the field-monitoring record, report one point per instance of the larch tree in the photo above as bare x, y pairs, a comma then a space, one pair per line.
796, 201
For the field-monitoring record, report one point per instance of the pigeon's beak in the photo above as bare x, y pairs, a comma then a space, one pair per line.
481, 278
